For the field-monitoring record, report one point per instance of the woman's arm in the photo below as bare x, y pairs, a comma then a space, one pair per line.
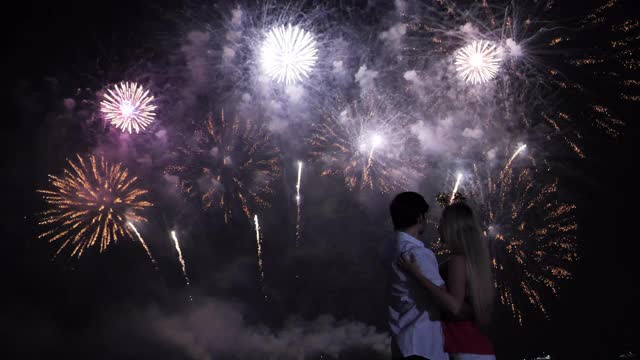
451, 297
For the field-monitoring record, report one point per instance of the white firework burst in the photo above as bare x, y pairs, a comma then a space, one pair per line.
128, 107
288, 54
478, 62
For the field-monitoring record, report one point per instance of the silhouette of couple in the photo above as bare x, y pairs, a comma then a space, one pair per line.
439, 313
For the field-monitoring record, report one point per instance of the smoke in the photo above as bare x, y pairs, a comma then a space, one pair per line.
161, 135
171, 179
69, 104
469, 29
277, 125
365, 78
473, 133
401, 6
491, 154
228, 54
435, 138
236, 16
338, 67
233, 35
294, 92
195, 53
215, 328
394, 34
412, 76
514, 49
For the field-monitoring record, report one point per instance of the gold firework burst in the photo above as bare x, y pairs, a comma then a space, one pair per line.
532, 235
91, 203
228, 163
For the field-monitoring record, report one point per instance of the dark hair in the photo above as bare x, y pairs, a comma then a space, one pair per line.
405, 209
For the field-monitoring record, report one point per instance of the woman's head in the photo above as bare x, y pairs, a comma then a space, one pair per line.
460, 231
458, 228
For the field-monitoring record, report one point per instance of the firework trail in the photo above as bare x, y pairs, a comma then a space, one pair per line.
298, 182
228, 164
128, 107
298, 206
455, 188
144, 244
288, 54
505, 170
347, 140
91, 204
259, 247
373, 143
182, 262
515, 154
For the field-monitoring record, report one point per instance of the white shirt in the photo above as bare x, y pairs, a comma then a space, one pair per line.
413, 317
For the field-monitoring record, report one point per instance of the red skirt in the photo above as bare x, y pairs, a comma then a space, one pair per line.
465, 337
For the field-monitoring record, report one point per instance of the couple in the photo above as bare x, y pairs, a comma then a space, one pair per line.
432, 318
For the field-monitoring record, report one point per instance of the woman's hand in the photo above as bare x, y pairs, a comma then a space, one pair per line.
407, 262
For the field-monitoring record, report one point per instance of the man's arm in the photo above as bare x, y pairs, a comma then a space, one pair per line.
424, 269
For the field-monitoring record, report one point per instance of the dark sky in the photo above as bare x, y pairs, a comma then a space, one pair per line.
95, 307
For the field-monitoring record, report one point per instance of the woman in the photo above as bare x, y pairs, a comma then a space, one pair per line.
468, 296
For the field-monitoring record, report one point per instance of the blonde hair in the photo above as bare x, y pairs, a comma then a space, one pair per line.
460, 231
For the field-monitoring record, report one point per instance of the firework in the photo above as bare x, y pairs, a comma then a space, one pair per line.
478, 62
374, 142
527, 53
259, 249
144, 244
129, 107
298, 206
91, 204
515, 154
180, 258
228, 164
298, 183
363, 142
288, 54
532, 233
455, 188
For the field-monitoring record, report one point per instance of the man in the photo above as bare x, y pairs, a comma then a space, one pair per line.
413, 317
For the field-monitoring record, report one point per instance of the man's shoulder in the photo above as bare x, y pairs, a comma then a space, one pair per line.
419, 251
426, 252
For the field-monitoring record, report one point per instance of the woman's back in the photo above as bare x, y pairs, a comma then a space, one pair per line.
462, 334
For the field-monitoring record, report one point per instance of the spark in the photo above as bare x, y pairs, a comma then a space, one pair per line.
129, 107
455, 188
515, 154
259, 247
298, 206
298, 183
478, 62
182, 262
288, 54
376, 140
144, 244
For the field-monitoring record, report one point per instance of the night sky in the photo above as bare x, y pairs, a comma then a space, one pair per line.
116, 306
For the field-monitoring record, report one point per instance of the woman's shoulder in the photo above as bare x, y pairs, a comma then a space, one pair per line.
456, 260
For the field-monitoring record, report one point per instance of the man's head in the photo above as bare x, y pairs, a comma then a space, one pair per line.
408, 211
